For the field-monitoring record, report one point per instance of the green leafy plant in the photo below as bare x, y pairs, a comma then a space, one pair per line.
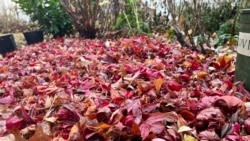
49, 14
170, 33
131, 18
228, 28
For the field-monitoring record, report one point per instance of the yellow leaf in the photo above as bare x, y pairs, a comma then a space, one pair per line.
74, 129
201, 57
184, 129
158, 83
186, 64
190, 31
74, 134
104, 126
202, 74
231, 67
51, 119
189, 138
214, 35
103, 129
225, 61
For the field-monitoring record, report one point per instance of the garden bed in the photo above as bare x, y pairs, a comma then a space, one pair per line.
130, 89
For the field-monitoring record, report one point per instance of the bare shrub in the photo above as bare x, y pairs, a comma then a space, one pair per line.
92, 17
10, 20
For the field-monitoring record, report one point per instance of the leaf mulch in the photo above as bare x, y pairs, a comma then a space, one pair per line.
137, 88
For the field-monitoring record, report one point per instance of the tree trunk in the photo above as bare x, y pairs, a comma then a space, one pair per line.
83, 15
89, 33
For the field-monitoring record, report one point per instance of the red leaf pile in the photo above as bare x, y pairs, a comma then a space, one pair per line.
131, 89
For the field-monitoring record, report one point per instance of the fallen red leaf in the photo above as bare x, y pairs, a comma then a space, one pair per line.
14, 123
174, 86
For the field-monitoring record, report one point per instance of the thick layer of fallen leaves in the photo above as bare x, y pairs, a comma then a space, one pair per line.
131, 89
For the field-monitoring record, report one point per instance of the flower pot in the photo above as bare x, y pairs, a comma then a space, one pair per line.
7, 44
33, 37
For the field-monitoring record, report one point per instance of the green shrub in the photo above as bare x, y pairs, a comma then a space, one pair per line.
228, 27
50, 15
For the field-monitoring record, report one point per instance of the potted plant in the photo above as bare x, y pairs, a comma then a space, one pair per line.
7, 44
49, 15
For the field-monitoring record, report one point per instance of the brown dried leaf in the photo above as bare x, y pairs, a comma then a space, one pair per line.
135, 130
40, 135
202, 74
17, 135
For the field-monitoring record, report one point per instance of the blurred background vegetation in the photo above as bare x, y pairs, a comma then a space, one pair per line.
194, 23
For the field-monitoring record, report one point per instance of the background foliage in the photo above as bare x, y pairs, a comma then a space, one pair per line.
49, 14
11, 19
194, 23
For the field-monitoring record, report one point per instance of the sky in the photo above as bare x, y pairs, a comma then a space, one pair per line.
4, 4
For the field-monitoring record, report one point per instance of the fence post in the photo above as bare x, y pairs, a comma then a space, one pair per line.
242, 70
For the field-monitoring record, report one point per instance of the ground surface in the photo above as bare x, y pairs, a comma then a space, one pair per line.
131, 89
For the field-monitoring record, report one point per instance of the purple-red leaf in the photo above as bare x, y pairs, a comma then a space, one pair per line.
210, 118
10, 99
159, 117
174, 86
155, 123
135, 107
14, 122
145, 130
